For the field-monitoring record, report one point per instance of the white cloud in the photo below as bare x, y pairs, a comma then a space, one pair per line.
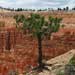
37, 3
17, 3
71, 4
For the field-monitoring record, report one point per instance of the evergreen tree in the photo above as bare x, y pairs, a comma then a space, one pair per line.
39, 27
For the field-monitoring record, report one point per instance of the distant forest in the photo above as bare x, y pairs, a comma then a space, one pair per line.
45, 9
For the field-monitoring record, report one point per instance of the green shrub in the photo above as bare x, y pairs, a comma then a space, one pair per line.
70, 67
72, 60
60, 72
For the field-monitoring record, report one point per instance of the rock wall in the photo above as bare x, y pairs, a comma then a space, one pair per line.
24, 49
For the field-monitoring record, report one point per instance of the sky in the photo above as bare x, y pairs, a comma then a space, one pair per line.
37, 3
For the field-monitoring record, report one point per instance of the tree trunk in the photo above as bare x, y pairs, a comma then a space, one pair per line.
39, 50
